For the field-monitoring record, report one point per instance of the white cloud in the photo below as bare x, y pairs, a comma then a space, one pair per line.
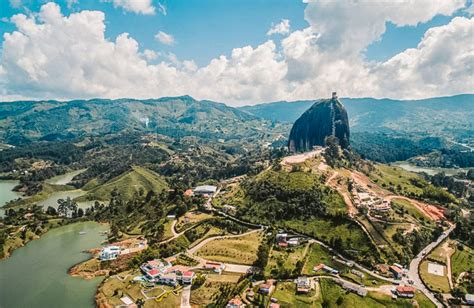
66, 57
150, 54
144, 7
283, 27
164, 38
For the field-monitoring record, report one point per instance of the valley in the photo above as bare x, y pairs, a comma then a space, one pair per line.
223, 213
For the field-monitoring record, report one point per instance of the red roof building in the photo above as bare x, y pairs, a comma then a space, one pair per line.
405, 291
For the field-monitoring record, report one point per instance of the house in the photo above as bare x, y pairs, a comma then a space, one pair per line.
127, 302
281, 237
235, 303
109, 253
396, 271
266, 288
157, 264
293, 241
303, 284
188, 193
187, 277
169, 279
382, 268
318, 267
405, 291
274, 305
205, 190
152, 275
469, 299
215, 266
283, 244
352, 287
358, 273
330, 270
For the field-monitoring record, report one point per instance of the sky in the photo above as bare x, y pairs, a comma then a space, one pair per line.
239, 52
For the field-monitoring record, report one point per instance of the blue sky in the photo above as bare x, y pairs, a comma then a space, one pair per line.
203, 30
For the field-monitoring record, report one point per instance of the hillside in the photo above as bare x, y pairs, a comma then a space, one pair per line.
369, 114
25, 121
127, 184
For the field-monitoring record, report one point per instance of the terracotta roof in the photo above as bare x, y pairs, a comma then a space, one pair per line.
405, 289
188, 274
318, 267
396, 269
153, 272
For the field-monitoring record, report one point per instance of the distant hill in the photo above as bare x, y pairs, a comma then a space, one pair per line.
128, 184
326, 117
439, 114
24, 121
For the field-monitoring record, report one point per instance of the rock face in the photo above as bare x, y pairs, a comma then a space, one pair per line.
326, 117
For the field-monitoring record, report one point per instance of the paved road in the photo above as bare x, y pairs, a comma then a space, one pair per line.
185, 295
415, 264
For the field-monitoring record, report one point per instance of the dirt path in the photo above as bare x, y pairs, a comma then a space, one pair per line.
185, 296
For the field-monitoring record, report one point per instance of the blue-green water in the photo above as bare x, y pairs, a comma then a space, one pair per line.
36, 275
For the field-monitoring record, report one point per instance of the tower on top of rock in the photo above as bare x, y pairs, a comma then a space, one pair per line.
334, 95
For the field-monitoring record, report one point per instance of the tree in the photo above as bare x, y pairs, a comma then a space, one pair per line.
458, 292
80, 212
332, 153
51, 211
67, 207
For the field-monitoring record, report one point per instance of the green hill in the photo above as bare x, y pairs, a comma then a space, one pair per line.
127, 185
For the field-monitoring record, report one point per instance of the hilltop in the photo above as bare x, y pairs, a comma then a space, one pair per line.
324, 118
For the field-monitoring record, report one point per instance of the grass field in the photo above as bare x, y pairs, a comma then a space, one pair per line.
407, 209
240, 250
462, 261
318, 254
396, 179
127, 184
168, 233
190, 219
285, 292
352, 236
335, 296
287, 258
204, 295
434, 282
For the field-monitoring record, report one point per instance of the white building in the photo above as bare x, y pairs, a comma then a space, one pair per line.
205, 190
109, 253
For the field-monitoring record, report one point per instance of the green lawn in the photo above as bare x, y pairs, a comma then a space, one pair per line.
285, 292
318, 254
396, 179
286, 257
434, 282
462, 261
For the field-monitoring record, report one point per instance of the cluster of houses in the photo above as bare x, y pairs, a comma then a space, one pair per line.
303, 284
162, 272
283, 240
363, 198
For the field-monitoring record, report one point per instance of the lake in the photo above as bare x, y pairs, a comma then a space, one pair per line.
64, 179
6, 193
429, 170
36, 275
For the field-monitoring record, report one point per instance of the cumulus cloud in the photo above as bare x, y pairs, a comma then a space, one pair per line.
64, 57
135, 6
164, 38
283, 27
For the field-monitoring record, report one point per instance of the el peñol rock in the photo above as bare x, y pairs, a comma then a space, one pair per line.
327, 117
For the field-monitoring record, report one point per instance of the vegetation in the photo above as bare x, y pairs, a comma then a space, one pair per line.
238, 250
